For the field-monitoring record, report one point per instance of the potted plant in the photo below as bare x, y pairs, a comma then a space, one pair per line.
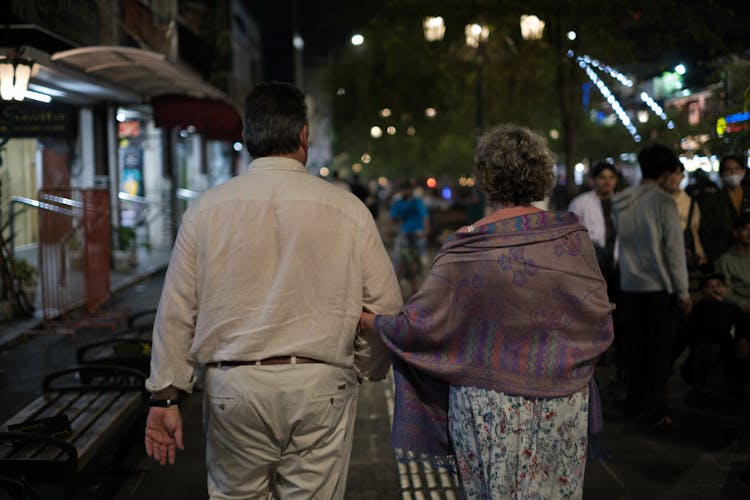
27, 275
124, 249
74, 250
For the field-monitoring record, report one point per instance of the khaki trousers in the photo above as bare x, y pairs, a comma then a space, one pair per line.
279, 431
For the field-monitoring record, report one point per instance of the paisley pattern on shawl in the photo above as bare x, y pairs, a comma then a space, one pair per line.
518, 306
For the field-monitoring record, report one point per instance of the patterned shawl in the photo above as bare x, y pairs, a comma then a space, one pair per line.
518, 306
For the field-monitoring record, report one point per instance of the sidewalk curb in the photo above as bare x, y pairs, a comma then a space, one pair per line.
13, 331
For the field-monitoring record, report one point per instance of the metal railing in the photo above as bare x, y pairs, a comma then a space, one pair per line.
187, 194
22, 200
148, 203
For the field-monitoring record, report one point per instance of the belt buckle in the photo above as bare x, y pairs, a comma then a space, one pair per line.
218, 364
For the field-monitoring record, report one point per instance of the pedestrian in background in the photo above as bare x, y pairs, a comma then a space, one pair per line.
594, 210
718, 344
265, 286
414, 223
653, 280
494, 356
720, 210
690, 220
695, 256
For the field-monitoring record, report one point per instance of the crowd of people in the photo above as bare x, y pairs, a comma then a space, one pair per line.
677, 264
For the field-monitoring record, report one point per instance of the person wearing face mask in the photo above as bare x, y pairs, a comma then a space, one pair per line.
719, 212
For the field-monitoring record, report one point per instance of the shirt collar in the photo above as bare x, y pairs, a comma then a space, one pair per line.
276, 163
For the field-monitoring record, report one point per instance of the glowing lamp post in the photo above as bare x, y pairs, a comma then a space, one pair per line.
434, 28
532, 27
476, 36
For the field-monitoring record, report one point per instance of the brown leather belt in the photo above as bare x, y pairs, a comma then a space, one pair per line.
276, 360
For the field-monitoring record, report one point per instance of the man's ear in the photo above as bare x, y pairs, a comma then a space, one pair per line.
304, 136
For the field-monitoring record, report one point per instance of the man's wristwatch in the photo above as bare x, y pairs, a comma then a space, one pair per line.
163, 403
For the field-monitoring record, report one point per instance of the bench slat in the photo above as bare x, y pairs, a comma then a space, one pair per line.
94, 418
100, 401
32, 410
55, 406
118, 416
95, 404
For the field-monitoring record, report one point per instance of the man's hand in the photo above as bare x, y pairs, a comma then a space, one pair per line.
163, 433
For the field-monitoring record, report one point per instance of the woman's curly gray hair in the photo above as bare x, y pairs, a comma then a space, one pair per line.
513, 165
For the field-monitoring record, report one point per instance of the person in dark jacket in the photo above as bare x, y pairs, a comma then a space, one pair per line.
720, 211
718, 342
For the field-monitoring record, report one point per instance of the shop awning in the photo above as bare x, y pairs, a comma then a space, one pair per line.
69, 85
213, 118
143, 72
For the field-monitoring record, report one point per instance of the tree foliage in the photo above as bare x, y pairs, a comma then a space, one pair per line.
532, 83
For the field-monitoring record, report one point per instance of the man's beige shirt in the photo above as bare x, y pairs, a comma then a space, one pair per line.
274, 262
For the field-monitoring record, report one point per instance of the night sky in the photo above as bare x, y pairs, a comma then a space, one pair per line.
325, 26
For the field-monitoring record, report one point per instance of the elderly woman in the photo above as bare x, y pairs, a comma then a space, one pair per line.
494, 355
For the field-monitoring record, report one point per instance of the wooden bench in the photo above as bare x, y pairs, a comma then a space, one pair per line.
142, 321
128, 352
101, 402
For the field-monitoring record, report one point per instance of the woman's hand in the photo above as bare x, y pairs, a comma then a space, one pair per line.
367, 322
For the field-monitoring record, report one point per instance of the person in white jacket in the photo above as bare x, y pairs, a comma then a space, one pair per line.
594, 210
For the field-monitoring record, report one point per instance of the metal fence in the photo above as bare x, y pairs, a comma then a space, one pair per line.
74, 250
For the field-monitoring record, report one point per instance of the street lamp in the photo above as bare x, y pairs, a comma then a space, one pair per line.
434, 28
531, 27
476, 36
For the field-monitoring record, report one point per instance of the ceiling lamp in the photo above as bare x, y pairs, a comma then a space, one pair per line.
14, 78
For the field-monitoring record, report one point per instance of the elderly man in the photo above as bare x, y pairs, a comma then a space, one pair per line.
267, 280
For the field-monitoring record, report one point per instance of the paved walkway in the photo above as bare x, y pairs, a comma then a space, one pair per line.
694, 460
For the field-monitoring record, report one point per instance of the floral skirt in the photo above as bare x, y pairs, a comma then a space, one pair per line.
514, 447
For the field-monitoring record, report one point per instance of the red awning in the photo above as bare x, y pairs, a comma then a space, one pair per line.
215, 119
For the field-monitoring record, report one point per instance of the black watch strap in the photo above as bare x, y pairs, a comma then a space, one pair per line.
163, 403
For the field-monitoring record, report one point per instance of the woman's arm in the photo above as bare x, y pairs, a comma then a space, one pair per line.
367, 322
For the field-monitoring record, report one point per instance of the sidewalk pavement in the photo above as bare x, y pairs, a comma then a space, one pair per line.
149, 262
695, 459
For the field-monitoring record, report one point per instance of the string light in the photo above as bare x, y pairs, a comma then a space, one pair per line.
587, 63
611, 99
608, 69
658, 111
